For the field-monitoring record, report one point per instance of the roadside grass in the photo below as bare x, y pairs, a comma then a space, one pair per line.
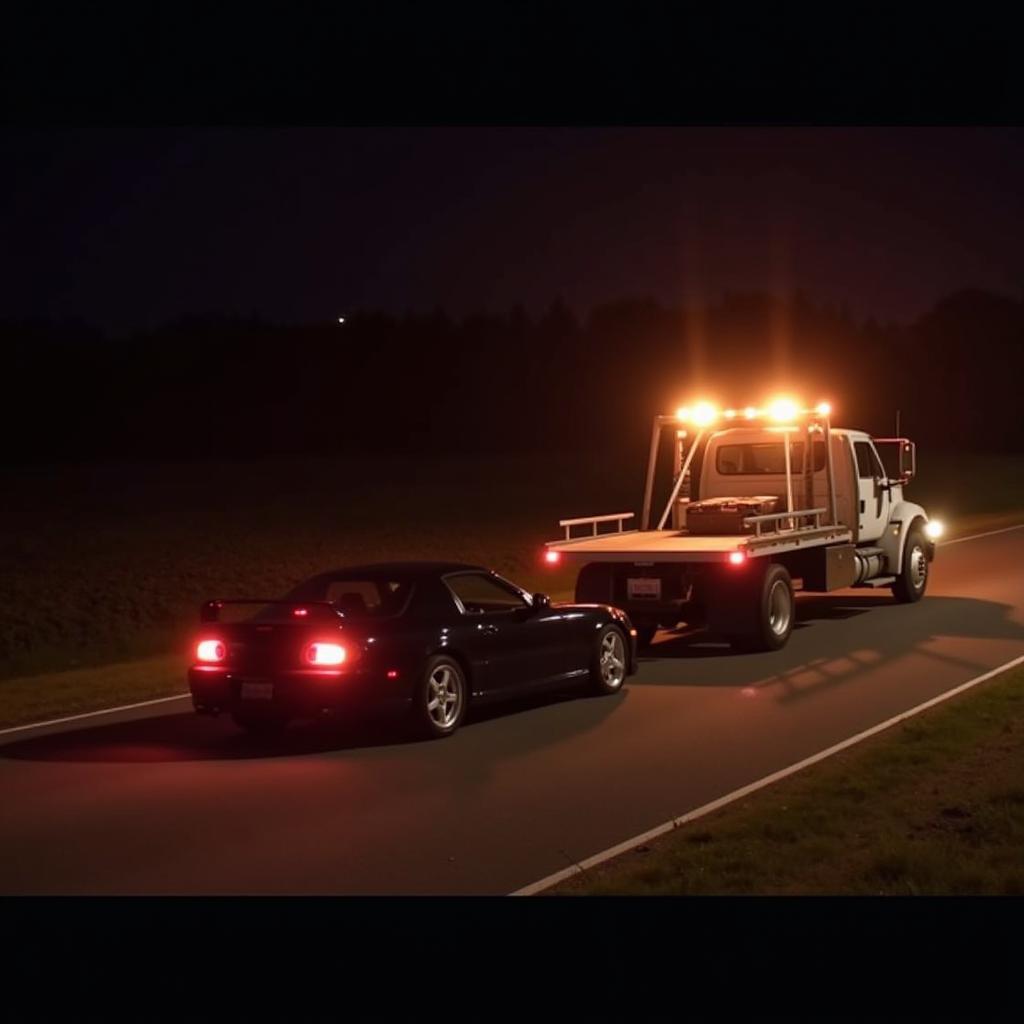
933, 806
106, 565
57, 694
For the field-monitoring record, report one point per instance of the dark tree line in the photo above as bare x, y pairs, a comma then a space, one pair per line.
213, 386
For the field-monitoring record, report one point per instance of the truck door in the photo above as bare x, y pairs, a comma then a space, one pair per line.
872, 492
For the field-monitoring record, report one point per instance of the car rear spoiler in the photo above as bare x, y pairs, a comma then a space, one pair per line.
209, 611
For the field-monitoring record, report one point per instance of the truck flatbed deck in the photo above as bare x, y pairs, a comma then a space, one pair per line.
680, 546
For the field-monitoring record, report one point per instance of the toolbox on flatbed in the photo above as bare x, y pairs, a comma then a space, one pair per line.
725, 516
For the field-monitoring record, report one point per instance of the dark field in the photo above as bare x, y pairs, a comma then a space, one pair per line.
106, 562
101, 563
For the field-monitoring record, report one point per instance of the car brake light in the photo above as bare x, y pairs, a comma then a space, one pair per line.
737, 558
211, 650
325, 654
552, 557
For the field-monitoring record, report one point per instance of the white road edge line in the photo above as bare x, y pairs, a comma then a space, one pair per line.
737, 794
161, 700
92, 714
976, 536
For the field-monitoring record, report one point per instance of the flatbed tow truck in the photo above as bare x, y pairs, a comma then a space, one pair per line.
835, 518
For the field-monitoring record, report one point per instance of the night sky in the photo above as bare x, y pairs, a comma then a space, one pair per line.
129, 228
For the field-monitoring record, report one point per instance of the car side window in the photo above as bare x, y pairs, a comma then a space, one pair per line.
478, 594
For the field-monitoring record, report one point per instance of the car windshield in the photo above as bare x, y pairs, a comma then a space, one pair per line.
358, 597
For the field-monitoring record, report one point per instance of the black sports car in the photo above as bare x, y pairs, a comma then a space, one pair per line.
429, 638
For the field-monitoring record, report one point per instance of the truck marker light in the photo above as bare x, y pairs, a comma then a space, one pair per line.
750, 412
730, 414
823, 409
211, 650
552, 557
737, 558
300, 612
321, 653
683, 414
392, 673
934, 529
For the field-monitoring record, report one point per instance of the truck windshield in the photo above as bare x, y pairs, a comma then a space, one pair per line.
768, 458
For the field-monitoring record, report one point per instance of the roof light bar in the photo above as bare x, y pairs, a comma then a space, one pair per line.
780, 410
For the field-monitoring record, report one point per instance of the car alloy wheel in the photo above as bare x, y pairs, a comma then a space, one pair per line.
444, 696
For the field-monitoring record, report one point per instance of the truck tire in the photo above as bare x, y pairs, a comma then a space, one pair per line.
764, 610
913, 575
595, 584
645, 633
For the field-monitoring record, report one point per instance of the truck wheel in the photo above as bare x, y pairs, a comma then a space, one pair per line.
595, 584
913, 576
767, 609
645, 635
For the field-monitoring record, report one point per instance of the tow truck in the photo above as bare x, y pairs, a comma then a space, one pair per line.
827, 515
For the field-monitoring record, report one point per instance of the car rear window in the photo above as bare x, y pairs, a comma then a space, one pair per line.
358, 597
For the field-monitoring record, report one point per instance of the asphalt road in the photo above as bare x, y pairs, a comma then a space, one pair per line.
161, 801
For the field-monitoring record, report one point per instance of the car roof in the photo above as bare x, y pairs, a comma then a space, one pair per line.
419, 569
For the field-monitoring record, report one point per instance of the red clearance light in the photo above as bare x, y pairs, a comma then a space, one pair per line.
325, 654
392, 673
737, 558
211, 650
552, 557
301, 612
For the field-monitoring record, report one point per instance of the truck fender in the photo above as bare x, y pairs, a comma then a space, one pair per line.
904, 514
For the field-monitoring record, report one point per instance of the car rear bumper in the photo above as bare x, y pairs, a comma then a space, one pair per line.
298, 694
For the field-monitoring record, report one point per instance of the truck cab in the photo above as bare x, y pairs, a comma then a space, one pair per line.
749, 461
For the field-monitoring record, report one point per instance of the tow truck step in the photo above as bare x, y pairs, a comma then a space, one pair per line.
878, 581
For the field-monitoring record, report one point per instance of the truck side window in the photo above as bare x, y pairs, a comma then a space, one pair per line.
867, 462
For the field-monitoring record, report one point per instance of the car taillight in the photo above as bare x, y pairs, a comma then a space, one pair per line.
737, 558
325, 654
211, 650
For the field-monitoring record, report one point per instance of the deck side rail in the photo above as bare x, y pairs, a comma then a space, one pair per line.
618, 517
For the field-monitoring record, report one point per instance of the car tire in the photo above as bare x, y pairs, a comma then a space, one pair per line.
766, 609
912, 580
608, 664
262, 725
441, 698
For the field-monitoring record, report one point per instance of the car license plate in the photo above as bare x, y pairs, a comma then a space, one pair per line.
644, 588
257, 691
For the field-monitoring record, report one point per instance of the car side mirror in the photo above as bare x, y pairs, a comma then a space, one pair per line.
541, 601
